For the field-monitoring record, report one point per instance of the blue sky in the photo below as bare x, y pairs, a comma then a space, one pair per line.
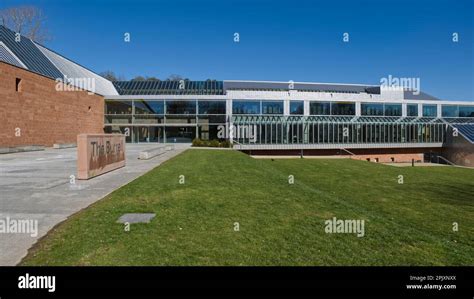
279, 40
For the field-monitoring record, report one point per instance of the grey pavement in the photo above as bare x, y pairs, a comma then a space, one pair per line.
36, 186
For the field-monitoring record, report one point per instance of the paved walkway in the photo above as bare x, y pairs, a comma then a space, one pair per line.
36, 186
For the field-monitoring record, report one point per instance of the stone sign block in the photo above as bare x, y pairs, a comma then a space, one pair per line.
99, 153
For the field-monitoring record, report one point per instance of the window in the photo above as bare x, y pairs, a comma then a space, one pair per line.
297, 107
342, 108
319, 108
273, 107
18, 85
466, 111
149, 107
245, 107
393, 109
118, 107
211, 107
371, 109
180, 107
412, 109
429, 110
449, 111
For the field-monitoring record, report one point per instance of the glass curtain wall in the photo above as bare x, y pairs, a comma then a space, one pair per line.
165, 120
337, 130
381, 109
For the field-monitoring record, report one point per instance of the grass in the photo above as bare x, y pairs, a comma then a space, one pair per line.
280, 223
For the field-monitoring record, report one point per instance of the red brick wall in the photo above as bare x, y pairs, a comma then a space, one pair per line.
44, 116
383, 155
387, 158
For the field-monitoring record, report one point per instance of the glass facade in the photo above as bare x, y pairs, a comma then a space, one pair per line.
466, 111
449, 111
149, 107
180, 107
379, 109
331, 108
338, 130
412, 109
371, 109
392, 109
342, 108
297, 107
457, 111
118, 107
328, 123
165, 120
211, 107
430, 110
272, 107
319, 108
245, 107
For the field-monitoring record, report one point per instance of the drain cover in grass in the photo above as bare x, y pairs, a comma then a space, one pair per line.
136, 218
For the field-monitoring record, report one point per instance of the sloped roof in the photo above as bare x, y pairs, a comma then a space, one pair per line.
25, 53
28, 54
300, 86
412, 95
73, 70
170, 87
8, 56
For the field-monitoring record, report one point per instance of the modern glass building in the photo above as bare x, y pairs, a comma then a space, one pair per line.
283, 115
253, 115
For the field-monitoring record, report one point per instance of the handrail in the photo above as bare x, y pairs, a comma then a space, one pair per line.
348, 151
446, 160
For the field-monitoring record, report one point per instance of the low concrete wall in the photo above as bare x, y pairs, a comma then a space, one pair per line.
64, 145
151, 153
19, 149
99, 153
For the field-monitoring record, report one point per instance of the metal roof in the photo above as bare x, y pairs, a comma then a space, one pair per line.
72, 70
248, 119
23, 52
301, 86
418, 95
28, 53
8, 56
466, 130
169, 87
459, 120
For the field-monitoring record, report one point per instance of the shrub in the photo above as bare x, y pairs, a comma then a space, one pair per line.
226, 143
214, 143
197, 142
211, 143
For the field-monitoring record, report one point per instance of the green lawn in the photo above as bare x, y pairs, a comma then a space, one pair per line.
280, 224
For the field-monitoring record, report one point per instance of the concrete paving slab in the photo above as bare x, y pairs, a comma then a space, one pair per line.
136, 218
38, 186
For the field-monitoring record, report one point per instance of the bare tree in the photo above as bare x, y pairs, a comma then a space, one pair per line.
109, 75
139, 78
25, 20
